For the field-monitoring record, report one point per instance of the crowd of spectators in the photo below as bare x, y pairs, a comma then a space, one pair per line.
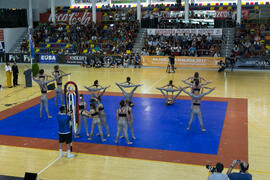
252, 41
113, 61
125, 14
182, 45
175, 20
114, 38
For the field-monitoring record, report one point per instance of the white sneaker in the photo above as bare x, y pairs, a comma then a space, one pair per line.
61, 153
134, 138
70, 155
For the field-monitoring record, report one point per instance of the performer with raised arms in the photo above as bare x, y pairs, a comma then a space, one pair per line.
192, 80
196, 82
128, 84
195, 107
170, 88
96, 90
58, 74
196, 76
42, 81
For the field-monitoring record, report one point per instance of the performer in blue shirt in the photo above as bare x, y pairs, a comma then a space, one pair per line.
64, 131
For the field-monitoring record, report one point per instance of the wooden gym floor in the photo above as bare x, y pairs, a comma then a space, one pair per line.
254, 86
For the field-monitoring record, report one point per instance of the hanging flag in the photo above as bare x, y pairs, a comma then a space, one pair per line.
32, 51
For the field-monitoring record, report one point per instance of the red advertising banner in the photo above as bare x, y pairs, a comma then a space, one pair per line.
70, 18
224, 14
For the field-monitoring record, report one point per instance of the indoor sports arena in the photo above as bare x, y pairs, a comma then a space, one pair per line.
134, 89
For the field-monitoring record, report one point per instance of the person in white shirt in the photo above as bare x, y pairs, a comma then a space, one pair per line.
236, 49
209, 37
217, 175
216, 54
8, 73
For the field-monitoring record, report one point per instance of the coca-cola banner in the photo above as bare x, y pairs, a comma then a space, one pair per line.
225, 14
173, 32
70, 18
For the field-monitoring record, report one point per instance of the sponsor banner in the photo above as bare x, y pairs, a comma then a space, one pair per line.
173, 32
225, 14
126, 1
75, 59
26, 58
20, 58
70, 18
183, 61
2, 47
225, 1
252, 62
14, 57
47, 58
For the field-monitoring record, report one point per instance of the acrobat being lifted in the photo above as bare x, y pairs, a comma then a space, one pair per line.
128, 84
96, 90
170, 90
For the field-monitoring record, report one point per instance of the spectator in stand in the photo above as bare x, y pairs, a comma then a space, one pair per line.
216, 54
243, 174
79, 38
126, 61
235, 50
209, 38
192, 51
181, 45
250, 40
137, 60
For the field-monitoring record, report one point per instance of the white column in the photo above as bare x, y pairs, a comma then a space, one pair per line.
239, 11
94, 11
53, 11
30, 14
139, 12
186, 10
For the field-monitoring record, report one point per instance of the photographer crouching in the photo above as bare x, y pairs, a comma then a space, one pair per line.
170, 67
243, 174
216, 172
222, 66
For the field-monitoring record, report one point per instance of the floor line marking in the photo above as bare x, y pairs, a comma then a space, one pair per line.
49, 165
163, 77
194, 165
261, 131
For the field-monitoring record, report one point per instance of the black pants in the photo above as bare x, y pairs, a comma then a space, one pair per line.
15, 79
2, 57
221, 69
172, 67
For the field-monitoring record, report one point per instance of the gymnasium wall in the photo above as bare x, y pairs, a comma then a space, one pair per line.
39, 6
11, 35
23, 4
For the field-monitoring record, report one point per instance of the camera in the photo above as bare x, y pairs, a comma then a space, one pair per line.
211, 168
